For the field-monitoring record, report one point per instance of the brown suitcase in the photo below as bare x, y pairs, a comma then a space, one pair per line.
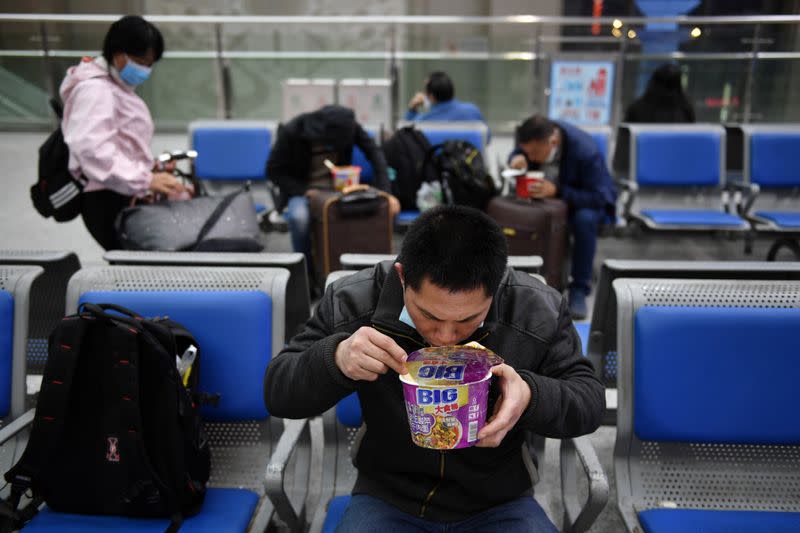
535, 227
335, 230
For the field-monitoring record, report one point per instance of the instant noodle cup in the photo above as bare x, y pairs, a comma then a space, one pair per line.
446, 391
525, 182
345, 176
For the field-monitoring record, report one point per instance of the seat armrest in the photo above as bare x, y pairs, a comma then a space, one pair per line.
276, 471
18, 424
577, 518
629, 189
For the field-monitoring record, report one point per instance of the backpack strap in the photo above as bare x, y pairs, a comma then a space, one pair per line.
48, 425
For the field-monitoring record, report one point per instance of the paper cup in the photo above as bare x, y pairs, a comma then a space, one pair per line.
446, 393
525, 182
345, 177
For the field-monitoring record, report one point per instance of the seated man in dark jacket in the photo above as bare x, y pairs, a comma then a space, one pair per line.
296, 163
449, 285
576, 172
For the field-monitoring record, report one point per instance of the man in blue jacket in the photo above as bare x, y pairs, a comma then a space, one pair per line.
439, 100
575, 172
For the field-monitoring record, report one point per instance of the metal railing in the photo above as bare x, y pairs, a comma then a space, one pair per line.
538, 52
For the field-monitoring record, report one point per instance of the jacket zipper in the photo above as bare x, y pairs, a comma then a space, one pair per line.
435, 487
441, 453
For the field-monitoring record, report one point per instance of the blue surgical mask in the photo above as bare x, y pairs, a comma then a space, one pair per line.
133, 73
405, 318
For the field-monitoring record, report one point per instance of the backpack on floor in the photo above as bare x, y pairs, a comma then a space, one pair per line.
405, 153
56, 192
462, 173
117, 428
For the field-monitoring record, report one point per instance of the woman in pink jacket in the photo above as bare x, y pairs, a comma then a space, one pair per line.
108, 127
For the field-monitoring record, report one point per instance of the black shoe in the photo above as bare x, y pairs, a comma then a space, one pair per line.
577, 304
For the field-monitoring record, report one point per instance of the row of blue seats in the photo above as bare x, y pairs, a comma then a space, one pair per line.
691, 159
695, 359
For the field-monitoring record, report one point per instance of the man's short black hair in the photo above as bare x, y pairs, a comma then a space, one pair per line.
536, 128
134, 36
440, 86
457, 248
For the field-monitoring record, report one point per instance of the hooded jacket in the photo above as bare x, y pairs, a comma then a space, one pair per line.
289, 162
107, 128
528, 325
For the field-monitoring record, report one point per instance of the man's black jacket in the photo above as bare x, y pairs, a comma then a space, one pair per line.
289, 162
528, 325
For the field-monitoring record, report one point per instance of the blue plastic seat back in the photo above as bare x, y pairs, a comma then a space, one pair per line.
438, 136
773, 159
6, 350
348, 411
678, 158
360, 160
716, 375
231, 153
234, 331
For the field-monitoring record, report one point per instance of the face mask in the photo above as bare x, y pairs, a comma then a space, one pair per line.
133, 73
551, 156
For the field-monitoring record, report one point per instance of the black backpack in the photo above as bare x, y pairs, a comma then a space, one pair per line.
405, 153
462, 173
116, 430
56, 193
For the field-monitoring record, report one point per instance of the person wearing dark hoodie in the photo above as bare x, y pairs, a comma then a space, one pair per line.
296, 164
663, 100
108, 127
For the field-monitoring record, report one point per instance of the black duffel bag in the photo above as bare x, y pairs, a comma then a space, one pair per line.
208, 223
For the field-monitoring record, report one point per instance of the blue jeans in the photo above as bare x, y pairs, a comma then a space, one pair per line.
367, 514
584, 224
299, 220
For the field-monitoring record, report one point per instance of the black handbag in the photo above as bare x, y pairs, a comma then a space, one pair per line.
208, 223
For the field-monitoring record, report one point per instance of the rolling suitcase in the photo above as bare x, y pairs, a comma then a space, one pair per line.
355, 222
535, 227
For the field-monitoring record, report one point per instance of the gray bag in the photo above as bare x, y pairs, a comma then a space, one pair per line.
208, 223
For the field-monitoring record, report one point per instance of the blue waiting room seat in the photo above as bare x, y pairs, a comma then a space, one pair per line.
231, 153
685, 166
16, 282
298, 302
237, 316
771, 176
343, 431
47, 296
708, 435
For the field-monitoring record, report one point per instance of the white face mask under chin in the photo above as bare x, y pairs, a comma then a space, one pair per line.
551, 156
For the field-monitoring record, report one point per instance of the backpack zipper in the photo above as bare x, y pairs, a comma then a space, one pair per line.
435, 487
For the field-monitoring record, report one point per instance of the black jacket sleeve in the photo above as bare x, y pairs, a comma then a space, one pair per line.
567, 399
283, 168
375, 156
303, 380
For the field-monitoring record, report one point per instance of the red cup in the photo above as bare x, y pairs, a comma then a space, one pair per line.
526, 181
